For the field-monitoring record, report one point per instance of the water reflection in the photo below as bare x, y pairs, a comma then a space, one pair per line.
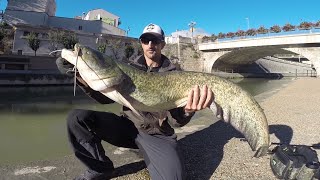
32, 121
257, 86
39, 94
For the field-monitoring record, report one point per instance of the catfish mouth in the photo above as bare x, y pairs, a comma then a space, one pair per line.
97, 81
108, 79
93, 70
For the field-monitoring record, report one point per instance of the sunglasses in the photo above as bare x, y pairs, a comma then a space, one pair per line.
153, 41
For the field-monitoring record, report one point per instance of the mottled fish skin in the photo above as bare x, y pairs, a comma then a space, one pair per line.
153, 92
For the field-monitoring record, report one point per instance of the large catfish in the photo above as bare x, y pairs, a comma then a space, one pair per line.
158, 92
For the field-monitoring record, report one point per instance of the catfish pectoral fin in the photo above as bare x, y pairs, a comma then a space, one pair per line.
216, 109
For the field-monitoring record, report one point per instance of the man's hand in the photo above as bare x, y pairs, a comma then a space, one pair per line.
198, 100
65, 67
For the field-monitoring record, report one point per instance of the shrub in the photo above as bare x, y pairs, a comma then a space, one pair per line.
129, 51
205, 38
213, 37
251, 32
102, 47
288, 27
305, 25
240, 33
262, 30
230, 35
275, 29
221, 35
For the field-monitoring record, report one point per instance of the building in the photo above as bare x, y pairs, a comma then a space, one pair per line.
185, 36
106, 17
39, 16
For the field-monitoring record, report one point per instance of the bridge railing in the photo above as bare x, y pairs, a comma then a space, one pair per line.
227, 72
301, 64
269, 34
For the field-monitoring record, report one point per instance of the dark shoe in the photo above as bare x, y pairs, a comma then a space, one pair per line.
93, 175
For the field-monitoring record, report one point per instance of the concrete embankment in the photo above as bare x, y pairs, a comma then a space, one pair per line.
212, 150
30, 79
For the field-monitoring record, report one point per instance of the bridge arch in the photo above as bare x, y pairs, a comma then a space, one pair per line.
234, 52
239, 56
311, 53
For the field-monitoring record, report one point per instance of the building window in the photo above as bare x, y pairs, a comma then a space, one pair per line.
80, 28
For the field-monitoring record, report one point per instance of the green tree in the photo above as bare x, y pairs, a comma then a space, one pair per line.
55, 38
4, 24
115, 46
138, 48
129, 50
6, 38
102, 47
2, 34
69, 40
33, 42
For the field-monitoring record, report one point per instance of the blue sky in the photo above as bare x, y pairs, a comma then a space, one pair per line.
209, 15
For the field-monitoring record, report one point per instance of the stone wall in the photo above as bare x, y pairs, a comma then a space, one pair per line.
189, 58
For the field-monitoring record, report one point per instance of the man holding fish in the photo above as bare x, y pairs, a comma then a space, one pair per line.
150, 132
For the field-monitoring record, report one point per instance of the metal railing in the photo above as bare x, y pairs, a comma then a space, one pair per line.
269, 34
236, 72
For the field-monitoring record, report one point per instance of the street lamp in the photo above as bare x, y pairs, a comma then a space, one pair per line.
192, 24
248, 23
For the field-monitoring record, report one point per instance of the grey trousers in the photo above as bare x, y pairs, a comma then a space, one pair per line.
86, 130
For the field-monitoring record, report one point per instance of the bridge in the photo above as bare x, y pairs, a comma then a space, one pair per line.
231, 54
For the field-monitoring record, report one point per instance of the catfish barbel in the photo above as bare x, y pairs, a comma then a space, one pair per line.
162, 91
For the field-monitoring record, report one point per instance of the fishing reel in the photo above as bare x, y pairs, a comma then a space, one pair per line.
295, 162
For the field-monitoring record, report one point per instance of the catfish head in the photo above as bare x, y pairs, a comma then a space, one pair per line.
99, 71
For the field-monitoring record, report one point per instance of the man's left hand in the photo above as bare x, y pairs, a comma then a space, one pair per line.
199, 99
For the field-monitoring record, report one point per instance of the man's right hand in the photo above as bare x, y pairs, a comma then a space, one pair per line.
65, 67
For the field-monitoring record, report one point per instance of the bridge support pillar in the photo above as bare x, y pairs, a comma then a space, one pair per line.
311, 53
210, 58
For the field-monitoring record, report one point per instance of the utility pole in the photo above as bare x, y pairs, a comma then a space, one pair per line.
179, 57
192, 24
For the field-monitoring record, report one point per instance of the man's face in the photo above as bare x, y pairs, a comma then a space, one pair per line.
151, 46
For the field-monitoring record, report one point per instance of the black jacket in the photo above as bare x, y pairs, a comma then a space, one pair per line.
148, 122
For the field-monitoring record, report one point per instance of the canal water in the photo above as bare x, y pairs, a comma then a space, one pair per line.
32, 119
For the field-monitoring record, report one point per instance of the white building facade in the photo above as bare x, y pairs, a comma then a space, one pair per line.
39, 16
185, 36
